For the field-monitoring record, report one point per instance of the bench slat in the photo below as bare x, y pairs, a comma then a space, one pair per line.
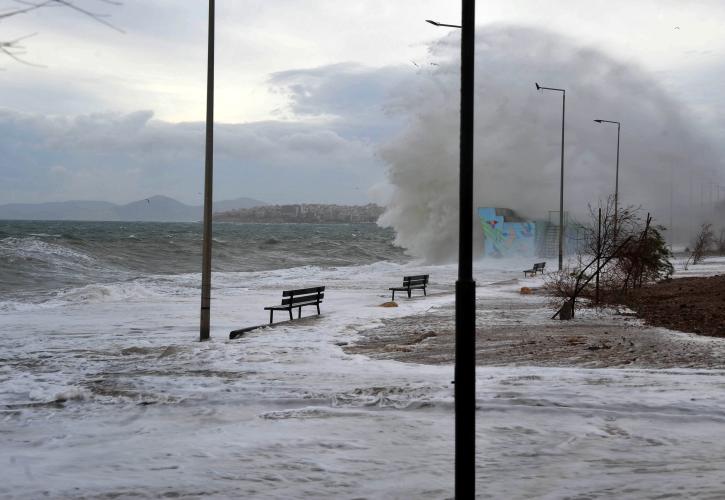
415, 282
416, 277
303, 298
302, 291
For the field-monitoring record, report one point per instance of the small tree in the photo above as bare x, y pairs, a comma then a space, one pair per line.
702, 244
620, 258
645, 259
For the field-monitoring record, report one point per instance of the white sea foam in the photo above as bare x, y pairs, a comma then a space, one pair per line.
33, 247
115, 397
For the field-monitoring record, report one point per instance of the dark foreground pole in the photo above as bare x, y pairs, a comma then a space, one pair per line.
465, 369
208, 183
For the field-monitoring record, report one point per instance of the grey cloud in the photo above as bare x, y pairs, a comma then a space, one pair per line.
354, 94
120, 157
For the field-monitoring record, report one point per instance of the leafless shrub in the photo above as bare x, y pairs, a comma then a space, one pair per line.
560, 286
619, 252
704, 241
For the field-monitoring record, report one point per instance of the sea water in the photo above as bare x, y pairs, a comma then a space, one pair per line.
105, 391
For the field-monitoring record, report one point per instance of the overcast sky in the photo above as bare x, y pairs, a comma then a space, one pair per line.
306, 90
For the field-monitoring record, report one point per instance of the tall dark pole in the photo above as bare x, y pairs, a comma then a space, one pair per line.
465, 369
616, 184
599, 253
561, 185
616, 176
208, 183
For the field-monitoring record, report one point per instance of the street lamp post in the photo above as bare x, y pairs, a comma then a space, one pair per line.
465, 368
208, 183
561, 186
616, 177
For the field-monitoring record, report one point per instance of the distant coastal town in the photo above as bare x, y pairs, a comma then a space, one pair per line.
304, 213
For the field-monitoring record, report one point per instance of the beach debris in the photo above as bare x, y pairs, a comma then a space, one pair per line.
390, 303
525, 290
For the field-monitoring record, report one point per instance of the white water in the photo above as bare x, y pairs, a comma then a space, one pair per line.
285, 413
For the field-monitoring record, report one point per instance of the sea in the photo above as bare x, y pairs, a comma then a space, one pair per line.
106, 391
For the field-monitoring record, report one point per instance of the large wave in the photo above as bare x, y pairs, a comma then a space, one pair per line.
517, 138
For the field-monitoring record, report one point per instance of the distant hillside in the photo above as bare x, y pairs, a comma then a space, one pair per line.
305, 213
157, 209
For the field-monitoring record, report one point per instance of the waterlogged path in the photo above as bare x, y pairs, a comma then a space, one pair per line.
110, 396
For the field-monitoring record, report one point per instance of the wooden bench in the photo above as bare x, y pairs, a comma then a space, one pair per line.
538, 268
298, 298
411, 283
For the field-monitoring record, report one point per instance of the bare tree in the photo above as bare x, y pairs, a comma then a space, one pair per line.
703, 243
617, 259
15, 49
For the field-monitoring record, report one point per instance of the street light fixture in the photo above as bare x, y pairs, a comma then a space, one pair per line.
616, 177
436, 23
465, 367
561, 186
208, 183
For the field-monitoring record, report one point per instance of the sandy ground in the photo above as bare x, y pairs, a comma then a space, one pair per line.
694, 305
515, 329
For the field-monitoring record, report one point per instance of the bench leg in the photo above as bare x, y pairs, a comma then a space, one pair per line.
290, 313
271, 316
318, 308
424, 294
393, 299
408, 292
299, 312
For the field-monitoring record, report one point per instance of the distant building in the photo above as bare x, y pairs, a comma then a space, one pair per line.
505, 233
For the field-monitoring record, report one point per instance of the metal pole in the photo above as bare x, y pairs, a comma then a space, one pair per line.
599, 252
208, 182
561, 187
616, 186
672, 204
465, 368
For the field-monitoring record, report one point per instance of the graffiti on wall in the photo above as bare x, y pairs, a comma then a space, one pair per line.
503, 237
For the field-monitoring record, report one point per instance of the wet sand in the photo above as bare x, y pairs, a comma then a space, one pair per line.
514, 329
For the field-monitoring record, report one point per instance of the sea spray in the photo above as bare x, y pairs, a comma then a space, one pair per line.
518, 134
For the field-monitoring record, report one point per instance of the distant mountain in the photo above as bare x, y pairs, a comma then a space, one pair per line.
157, 208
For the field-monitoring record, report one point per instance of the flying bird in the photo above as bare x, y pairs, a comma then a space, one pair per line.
415, 64
677, 27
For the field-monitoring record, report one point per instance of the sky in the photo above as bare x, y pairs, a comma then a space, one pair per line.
308, 94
